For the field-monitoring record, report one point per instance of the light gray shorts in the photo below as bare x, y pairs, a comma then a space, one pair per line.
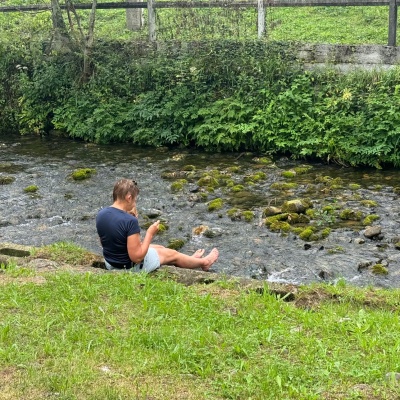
150, 263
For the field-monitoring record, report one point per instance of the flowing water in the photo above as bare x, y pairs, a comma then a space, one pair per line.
64, 209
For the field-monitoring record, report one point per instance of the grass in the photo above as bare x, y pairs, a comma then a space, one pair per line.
334, 25
70, 335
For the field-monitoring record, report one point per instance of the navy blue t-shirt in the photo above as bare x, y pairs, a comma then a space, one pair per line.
114, 226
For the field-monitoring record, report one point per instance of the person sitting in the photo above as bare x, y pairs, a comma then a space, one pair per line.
123, 248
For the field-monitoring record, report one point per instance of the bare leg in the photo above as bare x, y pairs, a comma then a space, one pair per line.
198, 253
173, 257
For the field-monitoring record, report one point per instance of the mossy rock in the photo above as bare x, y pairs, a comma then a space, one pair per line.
379, 269
178, 185
351, 215
6, 180
308, 234
277, 226
270, 211
397, 245
248, 215
82, 174
215, 204
234, 169
296, 205
396, 190
369, 203
189, 168
283, 185
208, 181
234, 214
289, 174
354, 186
31, 189
369, 219
302, 169
274, 218
237, 188
263, 160
255, 177
175, 244
329, 209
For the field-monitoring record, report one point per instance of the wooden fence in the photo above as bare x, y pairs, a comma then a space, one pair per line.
261, 5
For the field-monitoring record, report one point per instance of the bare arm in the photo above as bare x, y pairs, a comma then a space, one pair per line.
137, 249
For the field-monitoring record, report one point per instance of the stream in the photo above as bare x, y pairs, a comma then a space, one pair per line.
63, 209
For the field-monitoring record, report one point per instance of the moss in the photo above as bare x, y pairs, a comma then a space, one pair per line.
188, 168
82, 174
175, 244
311, 213
289, 174
6, 180
354, 186
234, 169
178, 185
232, 211
348, 214
208, 181
307, 233
277, 226
215, 204
369, 203
162, 227
263, 160
237, 188
230, 183
325, 233
248, 216
397, 245
379, 269
396, 190
369, 219
274, 218
255, 177
378, 188
283, 185
31, 189
302, 169
328, 209
337, 249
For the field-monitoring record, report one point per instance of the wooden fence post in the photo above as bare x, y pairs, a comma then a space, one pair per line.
392, 22
260, 18
152, 20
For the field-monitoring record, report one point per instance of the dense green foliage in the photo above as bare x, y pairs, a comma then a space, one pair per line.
224, 96
124, 336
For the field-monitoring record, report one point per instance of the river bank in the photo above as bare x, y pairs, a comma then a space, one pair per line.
63, 209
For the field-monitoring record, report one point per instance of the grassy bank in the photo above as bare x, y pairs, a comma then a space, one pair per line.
70, 335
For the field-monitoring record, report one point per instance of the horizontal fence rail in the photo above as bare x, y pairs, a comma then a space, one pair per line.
261, 5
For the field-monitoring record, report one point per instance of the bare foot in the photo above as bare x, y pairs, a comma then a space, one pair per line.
210, 259
198, 253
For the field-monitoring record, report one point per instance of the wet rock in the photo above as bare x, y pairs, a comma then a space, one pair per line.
372, 231
359, 241
296, 206
270, 211
153, 213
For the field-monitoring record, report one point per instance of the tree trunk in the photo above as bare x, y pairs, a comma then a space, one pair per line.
61, 40
134, 17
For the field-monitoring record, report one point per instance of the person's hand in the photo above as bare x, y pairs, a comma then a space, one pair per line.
153, 228
133, 212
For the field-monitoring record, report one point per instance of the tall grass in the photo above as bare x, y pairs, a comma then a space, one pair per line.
126, 336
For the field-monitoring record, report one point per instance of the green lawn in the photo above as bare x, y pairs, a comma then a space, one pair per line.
69, 335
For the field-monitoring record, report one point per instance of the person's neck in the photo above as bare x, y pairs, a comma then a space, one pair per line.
120, 205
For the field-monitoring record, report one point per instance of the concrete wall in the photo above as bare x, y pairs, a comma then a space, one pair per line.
348, 58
